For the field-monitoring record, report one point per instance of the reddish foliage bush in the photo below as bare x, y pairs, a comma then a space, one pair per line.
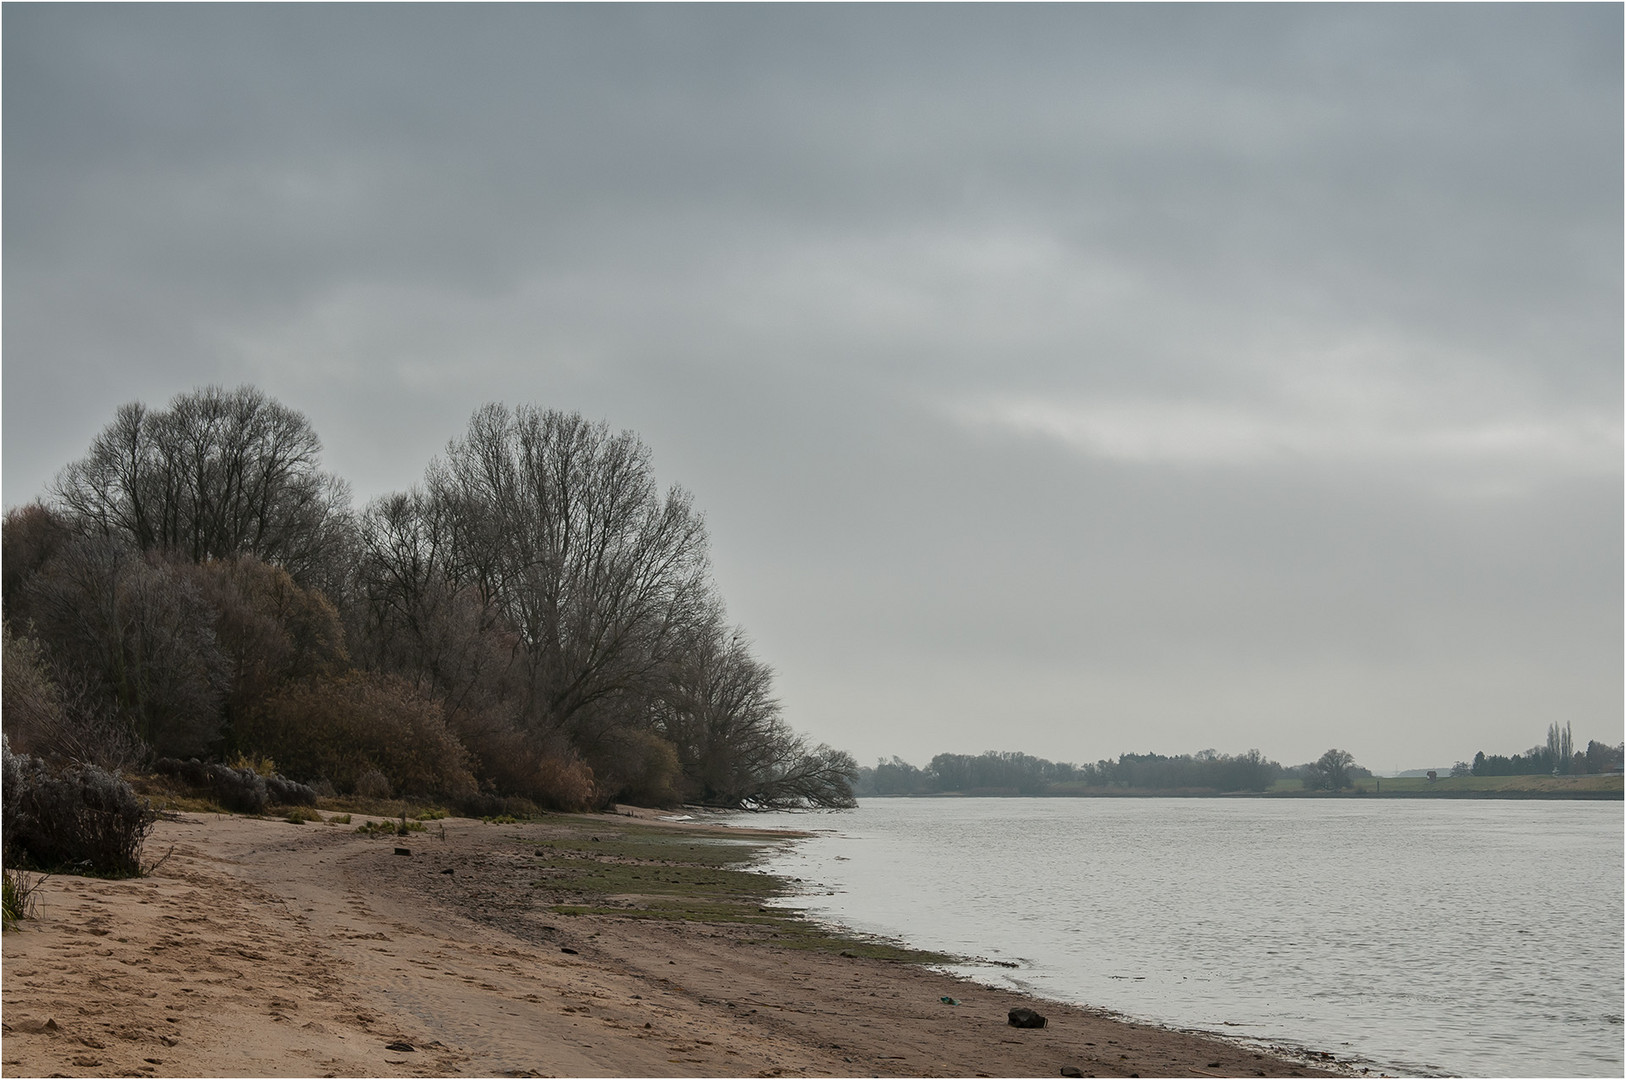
517, 764
338, 728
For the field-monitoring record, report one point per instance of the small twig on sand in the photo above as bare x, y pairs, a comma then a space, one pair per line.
153, 869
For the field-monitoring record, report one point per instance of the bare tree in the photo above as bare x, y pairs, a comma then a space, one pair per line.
804, 776
417, 609
549, 591
413, 615
720, 713
558, 525
219, 473
138, 631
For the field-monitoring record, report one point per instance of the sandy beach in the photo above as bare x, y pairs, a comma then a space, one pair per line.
265, 948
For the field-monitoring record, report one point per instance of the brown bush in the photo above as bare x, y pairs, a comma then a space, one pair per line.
563, 783
337, 728
519, 764
636, 766
373, 784
270, 629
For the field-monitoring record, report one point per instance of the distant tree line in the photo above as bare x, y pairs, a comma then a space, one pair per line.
535, 618
997, 773
1557, 756
1021, 774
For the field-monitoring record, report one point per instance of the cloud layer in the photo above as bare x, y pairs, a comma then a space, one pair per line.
1065, 379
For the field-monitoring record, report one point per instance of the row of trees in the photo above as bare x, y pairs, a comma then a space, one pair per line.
1207, 770
1023, 774
535, 618
1557, 756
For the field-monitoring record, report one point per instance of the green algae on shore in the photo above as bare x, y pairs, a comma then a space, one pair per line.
688, 874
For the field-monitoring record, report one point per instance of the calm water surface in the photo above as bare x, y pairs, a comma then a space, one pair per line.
1472, 938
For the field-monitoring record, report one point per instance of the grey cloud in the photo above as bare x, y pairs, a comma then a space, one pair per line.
811, 254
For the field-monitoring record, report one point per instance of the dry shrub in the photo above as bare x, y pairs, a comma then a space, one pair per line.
487, 805
61, 716
20, 900
79, 818
270, 628
563, 783
338, 728
241, 790
285, 792
373, 784
520, 765
635, 766
33, 701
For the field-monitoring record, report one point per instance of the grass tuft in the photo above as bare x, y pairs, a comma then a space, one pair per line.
19, 901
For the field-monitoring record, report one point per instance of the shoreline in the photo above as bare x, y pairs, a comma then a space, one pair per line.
262, 948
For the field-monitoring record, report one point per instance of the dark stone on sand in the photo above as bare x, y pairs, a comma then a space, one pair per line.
1068, 1070
1026, 1018
403, 851
568, 949
448, 870
399, 1046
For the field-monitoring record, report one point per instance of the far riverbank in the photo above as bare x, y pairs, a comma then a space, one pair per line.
1609, 786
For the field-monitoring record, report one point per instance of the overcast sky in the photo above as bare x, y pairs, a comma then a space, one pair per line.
1065, 379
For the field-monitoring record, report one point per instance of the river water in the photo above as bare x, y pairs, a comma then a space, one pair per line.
1479, 938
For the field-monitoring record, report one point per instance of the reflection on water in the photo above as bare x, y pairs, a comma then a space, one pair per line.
1473, 937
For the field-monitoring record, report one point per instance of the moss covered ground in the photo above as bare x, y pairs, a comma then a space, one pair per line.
638, 871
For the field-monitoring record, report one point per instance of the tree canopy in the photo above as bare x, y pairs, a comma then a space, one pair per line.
535, 618
218, 473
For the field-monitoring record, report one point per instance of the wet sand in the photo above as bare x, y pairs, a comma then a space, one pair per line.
263, 948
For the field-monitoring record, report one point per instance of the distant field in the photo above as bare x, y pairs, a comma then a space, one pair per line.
1509, 786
